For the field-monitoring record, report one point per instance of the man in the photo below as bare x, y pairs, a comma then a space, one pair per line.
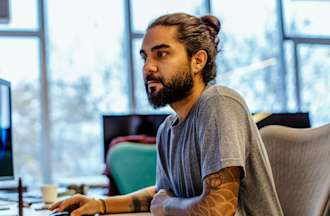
211, 160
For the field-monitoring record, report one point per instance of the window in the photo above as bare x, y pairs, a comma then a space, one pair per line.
291, 80
87, 77
308, 39
304, 17
315, 79
23, 15
144, 11
19, 65
87, 72
248, 59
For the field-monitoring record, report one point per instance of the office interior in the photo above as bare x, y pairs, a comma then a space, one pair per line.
71, 61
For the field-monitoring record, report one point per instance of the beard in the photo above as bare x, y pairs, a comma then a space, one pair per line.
175, 89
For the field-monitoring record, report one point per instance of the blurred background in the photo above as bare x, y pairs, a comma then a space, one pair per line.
69, 61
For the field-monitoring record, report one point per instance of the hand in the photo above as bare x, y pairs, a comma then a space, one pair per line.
157, 206
83, 205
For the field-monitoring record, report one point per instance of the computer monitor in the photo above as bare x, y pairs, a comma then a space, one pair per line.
6, 147
294, 120
130, 124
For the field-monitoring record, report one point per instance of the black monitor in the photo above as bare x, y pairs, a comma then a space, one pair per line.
6, 147
130, 124
294, 120
4, 12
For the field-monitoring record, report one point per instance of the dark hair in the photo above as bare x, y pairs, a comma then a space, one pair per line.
196, 34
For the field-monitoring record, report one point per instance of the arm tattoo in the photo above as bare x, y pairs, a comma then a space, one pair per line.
220, 194
136, 204
141, 201
219, 197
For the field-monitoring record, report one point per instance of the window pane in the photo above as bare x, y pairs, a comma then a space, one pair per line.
23, 15
314, 66
144, 11
88, 77
248, 59
307, 17
142, 104
291, 77
20, 65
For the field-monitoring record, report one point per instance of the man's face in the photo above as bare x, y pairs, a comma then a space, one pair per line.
166, 70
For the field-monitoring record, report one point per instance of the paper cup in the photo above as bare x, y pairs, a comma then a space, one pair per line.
49, 193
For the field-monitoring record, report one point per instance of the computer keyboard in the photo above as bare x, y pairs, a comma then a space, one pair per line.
27, 198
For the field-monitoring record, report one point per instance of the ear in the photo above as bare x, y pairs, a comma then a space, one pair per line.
198, 61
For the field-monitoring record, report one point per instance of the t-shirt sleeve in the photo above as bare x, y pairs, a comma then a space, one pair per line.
223, 134
162, 181
161, 177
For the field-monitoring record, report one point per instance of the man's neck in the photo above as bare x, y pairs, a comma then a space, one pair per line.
183, 107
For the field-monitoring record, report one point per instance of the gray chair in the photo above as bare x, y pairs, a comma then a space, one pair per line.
300, 160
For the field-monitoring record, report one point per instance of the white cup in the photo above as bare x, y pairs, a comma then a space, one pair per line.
49, 193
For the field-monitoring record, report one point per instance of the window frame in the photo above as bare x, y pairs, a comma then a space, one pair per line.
296, 41
40, 34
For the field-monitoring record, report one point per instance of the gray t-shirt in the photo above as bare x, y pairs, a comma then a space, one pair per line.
217, 133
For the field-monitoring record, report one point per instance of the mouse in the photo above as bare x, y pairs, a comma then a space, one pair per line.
63, 213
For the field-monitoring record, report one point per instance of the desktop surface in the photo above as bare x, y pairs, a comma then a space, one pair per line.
13, 211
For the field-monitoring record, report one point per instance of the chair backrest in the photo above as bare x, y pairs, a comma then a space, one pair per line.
300, 160
133, 166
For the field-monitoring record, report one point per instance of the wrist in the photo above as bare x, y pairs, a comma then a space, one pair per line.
102, 206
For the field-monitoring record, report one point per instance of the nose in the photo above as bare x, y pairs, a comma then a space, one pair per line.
149, 67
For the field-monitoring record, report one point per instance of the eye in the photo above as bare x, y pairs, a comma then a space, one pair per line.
161, 54
143, 57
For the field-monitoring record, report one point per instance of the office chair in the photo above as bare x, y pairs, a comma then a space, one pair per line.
300, 161
133, 166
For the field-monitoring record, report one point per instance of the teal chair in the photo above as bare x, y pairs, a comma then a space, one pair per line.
133, 166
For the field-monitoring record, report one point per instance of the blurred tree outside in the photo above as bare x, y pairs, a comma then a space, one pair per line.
79, 94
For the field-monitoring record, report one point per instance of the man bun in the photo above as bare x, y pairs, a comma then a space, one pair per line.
212, 23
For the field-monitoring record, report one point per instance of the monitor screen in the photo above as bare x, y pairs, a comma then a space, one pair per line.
294, 120
6, 148
130, 124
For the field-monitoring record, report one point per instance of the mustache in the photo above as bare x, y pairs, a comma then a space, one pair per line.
154, 78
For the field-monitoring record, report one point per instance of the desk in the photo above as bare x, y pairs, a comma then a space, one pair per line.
31, 212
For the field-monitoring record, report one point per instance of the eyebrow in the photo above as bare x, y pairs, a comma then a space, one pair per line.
157, 47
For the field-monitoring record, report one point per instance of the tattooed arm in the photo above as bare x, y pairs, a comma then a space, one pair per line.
134, 202
219, 197
84, 205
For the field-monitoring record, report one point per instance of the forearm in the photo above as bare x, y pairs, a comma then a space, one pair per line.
199, 206
133, 202
181, 206
219, 197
